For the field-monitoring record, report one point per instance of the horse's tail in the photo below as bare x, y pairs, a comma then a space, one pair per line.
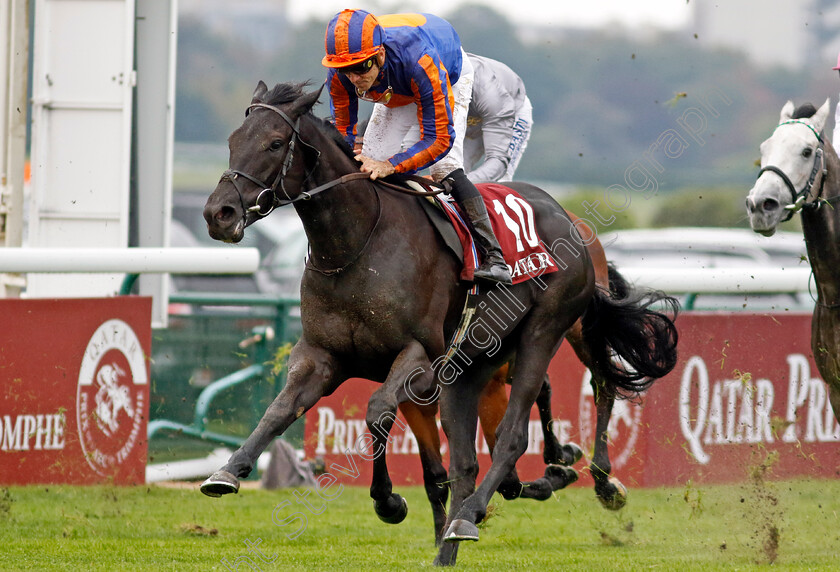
619, 287
631, 344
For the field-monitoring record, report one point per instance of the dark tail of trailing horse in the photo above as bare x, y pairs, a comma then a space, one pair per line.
630, 335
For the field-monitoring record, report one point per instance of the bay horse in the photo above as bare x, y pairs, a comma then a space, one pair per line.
800, 173
381, 296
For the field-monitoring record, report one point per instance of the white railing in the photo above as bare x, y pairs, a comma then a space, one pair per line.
744, 280
130, 260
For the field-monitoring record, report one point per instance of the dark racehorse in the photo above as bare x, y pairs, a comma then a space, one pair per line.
800, 171
492, 404
381, 298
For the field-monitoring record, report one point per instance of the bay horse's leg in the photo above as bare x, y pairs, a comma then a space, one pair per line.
458, 415
413, 367
610, 491
312, 374
422, 420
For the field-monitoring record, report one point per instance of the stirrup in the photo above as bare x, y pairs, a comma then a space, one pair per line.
493, 273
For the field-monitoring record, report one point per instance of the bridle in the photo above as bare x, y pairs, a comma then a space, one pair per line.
799, 198
233, 175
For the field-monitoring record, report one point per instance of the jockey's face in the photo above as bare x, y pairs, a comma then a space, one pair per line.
363, 81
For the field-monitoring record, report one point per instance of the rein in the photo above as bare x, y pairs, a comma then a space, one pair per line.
798, 198
234, 175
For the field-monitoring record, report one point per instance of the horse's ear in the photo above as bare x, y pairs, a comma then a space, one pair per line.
260, 92
305, 102
787, 112
821, 115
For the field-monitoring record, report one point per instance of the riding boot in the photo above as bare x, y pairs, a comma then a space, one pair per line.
493, 267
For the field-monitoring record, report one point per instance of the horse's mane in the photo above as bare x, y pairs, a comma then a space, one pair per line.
288, 92
804, 111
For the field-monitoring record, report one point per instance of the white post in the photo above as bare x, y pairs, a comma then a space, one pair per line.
14, 72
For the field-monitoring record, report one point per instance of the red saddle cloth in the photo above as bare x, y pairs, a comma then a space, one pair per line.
513, 222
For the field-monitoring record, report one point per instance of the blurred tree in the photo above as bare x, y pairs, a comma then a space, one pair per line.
486, 32
603, 101
702, 207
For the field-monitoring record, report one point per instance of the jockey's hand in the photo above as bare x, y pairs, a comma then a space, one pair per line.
377, 169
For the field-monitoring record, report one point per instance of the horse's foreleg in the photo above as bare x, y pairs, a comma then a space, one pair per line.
312, 374
412, 368
421, 419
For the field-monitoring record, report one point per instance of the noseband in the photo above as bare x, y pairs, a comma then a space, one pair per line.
798, 198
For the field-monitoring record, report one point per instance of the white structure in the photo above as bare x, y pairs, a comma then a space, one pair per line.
103, 98
14, 54
83, 86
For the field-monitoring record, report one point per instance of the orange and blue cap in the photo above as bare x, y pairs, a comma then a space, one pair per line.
352, 37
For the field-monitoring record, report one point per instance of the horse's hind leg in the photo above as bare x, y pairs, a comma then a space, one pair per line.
533, 355
411, 368
610, 491
312, 374
459, 417
421, 419
491, 409
553, 452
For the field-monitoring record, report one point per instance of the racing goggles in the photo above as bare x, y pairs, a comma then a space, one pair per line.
360, 68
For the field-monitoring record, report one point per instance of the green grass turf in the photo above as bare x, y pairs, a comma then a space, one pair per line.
794, 525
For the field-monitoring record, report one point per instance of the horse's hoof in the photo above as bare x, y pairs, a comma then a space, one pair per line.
393, 510
571, 454
220, 483
461, 529
560, 476
617, 497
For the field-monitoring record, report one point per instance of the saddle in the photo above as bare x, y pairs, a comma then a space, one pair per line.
513, 224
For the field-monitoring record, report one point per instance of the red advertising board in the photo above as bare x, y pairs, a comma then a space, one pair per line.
74, 391
745, 392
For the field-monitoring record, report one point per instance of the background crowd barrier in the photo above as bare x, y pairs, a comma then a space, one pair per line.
744, 394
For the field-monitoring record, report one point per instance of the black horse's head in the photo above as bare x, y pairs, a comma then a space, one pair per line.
266, 165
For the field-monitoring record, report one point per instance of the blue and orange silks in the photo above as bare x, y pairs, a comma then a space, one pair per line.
422, 62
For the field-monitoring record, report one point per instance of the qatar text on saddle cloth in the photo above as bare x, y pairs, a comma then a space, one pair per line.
513, 222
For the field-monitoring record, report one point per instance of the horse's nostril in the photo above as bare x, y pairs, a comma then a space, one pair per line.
225, 214
770, 205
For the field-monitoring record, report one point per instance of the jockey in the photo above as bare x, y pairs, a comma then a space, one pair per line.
412, 67
499, 121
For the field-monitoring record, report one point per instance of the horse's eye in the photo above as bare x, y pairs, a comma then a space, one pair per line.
276, 145
807, 152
